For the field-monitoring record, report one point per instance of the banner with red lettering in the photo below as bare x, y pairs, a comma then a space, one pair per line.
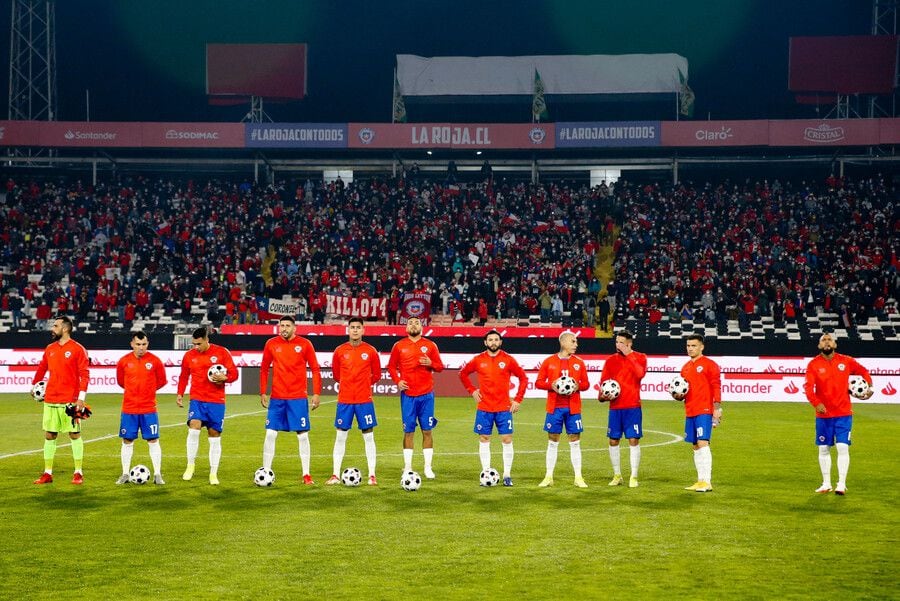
92, 133
452, 135
356, 306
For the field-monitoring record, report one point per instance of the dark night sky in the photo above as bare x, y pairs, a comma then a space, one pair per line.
143, 61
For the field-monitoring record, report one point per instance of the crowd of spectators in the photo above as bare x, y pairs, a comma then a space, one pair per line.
739, 251
117, 249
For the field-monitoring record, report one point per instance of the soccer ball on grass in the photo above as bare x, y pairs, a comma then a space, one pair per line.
139, 474
351, 477
264, 477
490, 477
410, 481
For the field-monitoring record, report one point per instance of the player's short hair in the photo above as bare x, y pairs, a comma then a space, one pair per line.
696, 337
66, 321
200, 333
139, 334
625, 334
289, 318
567, 333
499, 335
356, 319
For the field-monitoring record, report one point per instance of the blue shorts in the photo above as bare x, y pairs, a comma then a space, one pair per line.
147, 423
288, 415
833, 429
211, 415
560, 416
364, 412
625, 421
417, 409
697, 428
485, 420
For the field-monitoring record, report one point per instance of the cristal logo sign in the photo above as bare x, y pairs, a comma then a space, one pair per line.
824, 133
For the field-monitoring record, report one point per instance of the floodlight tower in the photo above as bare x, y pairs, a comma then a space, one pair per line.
32, 62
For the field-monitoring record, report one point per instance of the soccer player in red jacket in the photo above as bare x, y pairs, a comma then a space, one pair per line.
827, 379
412, 363
289, 356
207, 400
495, 369
702, 408
141, 374
67, 362
627, 367
563, 409
356, 367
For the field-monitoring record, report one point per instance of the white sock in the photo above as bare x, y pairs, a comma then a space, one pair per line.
552, 452
705, 472
215, 454
484, 453
193, 445
843, 462
635, 459
407, 460
825, 464
698, 464
303, 443
507, 459
369, 441
575, 454
615, 460
269, 448
429, 456
127, 454
337, 454
155, 456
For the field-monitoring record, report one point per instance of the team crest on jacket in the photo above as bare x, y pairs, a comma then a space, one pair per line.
297, 349
213, 359
365, 356
841, 366
148, 365
67, 354
502, 365
424, 349
576, 367
699, 369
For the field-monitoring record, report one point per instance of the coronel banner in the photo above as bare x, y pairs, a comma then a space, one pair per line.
715, 133
451, 135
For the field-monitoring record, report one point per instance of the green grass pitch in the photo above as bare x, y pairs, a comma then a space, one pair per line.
761, 534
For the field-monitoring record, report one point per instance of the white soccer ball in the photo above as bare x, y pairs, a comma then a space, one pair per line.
858, 387
678, 385
139, 474
39, 390
215, 370
351, 477
565, 385
410, 481
611, 389
264, 477
490, 477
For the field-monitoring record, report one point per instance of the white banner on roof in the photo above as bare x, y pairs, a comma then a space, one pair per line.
565, 74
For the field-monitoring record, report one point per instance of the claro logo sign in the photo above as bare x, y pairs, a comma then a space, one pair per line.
174, 134
714, 135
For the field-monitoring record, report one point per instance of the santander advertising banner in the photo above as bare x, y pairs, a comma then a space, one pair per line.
778, 379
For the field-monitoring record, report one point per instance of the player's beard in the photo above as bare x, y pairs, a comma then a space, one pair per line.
493, 349
55, 337
828, 352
